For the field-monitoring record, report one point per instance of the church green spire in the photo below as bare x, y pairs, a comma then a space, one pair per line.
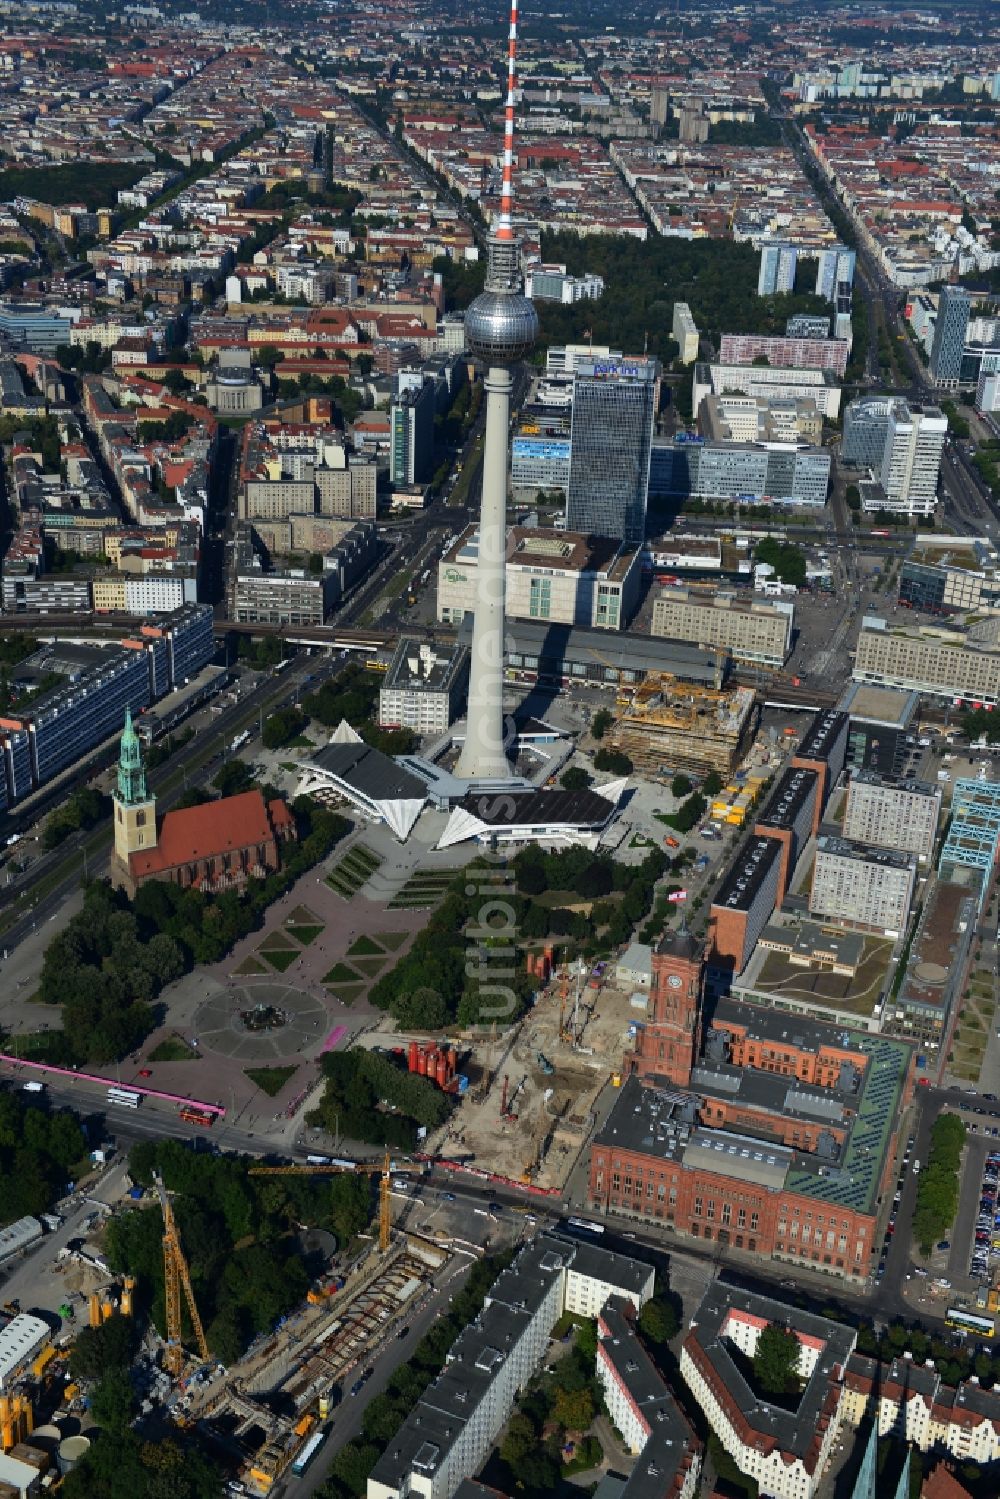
131, 774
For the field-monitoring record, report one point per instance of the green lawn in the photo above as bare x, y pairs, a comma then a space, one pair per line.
392, 941
340, 973
353, 870
346, 993
270, 1080
173, 1049
276, 942
304, 934
250, 965
364, 947
280, 960
371, 967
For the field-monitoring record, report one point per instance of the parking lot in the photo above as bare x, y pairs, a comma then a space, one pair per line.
890, 1227
985, 1247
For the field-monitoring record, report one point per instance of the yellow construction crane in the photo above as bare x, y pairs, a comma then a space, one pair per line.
384, 1172
176, 1275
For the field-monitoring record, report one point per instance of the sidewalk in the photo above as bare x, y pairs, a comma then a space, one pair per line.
20, 973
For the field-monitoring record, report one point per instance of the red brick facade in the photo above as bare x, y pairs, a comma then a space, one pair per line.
671, 1039
822, 769
723, 1210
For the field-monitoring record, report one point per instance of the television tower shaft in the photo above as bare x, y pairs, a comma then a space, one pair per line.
501, 326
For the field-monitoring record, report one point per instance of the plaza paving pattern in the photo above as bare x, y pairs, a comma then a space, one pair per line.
220, 1027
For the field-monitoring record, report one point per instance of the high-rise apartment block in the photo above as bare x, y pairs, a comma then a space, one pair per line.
778, 259
685, 333
807, 325
614, 410
785, 353
411, 437
892, 813
911, 459
835, 274
950, 328
862, 887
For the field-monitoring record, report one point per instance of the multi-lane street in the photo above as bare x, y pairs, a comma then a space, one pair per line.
29, 901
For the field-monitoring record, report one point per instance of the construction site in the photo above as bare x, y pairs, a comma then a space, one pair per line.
266, 1412
529, 1110
667, 726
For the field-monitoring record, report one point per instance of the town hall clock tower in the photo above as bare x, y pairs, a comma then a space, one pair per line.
668, 1045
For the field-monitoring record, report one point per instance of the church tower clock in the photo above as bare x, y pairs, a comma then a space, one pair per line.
671, 1039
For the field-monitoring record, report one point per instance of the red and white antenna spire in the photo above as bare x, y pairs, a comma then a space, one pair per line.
505, 227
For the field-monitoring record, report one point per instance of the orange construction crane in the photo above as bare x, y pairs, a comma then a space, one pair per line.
176, 1275
384, 1172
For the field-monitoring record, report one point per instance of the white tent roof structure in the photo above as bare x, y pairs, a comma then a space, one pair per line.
526, 816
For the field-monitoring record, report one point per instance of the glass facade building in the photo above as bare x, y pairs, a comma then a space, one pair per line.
866, 427
950, 328
614, 410
749, 473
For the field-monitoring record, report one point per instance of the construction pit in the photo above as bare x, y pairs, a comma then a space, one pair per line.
528, 1112
301, 1368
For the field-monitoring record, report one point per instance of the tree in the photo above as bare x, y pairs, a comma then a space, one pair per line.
519, 1439
776, 1360
658, 1320
713, 783
680, 786
788, 561
99, 1350
593, 881
575, 779
112, 1403
614, 761
601, 723
574, 1409
282, 727
232, 777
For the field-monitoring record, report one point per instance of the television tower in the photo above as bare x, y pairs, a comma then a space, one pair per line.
501, 326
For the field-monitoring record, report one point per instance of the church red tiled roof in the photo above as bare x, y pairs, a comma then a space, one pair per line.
209, 830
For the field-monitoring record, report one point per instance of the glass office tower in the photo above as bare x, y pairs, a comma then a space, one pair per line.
950, 328
614, 410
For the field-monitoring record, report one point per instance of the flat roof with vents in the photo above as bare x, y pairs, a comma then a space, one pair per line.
740, 887
793, 790
822, 734
740, 1156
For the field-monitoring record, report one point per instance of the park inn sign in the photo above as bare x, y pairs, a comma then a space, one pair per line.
452, 575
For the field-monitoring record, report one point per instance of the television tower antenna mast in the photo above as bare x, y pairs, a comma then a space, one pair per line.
501, 326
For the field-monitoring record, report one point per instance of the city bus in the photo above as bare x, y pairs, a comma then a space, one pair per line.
125, 1098
584, 1226
308, 1452
980, 1327
191, 1115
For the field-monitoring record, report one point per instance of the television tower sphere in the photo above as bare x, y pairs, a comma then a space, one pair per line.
501, 327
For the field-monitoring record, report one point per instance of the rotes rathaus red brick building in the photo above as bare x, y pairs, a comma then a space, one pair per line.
750, 1127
